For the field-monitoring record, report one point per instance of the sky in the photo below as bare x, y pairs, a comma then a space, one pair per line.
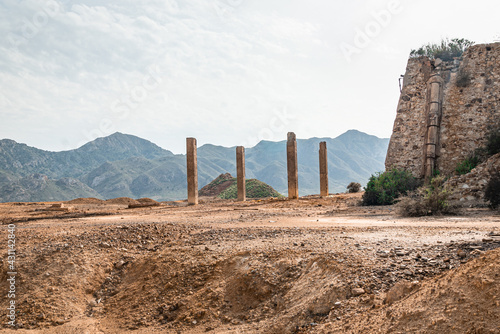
228, 72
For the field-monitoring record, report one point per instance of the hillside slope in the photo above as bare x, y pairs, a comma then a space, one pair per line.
38, 187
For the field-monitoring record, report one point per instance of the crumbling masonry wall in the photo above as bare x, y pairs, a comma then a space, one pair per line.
439, 122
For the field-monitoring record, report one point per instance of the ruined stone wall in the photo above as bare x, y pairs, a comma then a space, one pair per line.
469, 112
407, 140
466, 114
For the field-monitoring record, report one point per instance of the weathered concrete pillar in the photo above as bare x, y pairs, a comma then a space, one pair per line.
434, 105
323, 169
240, 170
292, 166
192, 171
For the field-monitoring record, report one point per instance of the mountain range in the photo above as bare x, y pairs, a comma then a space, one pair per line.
122, 165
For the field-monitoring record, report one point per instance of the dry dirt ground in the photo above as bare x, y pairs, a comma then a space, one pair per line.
313, 265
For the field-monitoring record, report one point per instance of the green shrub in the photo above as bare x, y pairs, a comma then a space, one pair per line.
436, 172
354, 187
492, 192
428, 200
446, 51
384, 188
436, 196
468, 164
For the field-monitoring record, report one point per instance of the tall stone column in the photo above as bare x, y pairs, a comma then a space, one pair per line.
240, 170
292, 166
323, 169
434, 105
192, 171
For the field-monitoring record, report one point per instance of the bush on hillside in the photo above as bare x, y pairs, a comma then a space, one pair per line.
354, 187
481, 154
446, 50
471, 162
492, 191
384, 188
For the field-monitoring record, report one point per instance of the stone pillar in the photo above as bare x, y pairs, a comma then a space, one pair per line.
240, 170
434, 105
323, 169
292, 166
192, 171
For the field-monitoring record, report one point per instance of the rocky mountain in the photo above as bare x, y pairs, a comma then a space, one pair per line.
125, 165
23, 160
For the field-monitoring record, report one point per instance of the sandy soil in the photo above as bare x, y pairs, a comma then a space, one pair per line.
313, 265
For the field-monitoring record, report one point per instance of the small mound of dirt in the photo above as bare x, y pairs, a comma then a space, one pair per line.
143, 203
147, 201
89, 200
122, 200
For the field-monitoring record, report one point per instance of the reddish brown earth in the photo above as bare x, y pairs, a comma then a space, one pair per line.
313, 265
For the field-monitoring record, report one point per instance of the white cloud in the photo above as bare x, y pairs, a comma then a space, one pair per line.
71, 70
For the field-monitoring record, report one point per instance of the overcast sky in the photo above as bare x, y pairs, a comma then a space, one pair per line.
228, 72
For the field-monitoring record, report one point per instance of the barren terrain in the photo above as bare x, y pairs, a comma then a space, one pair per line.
313, 265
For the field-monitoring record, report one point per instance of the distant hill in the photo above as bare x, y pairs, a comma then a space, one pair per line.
38, 187
125, 165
